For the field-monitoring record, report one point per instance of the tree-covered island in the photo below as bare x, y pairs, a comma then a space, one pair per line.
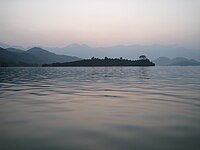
97, 62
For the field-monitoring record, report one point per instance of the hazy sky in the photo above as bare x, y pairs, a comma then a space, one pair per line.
100, 22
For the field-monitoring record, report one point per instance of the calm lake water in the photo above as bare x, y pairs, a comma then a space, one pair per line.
100, 108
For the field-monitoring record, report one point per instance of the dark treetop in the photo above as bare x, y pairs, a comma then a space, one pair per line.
143, 61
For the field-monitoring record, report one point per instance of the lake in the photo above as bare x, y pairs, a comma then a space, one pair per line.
100, 108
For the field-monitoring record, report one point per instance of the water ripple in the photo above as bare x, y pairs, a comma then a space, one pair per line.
100, 108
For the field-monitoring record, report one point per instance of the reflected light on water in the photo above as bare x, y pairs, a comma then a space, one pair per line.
100, 108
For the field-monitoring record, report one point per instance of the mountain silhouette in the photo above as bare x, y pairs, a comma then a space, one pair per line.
127, 51
45, 56
5, 46
178, 61
33, 57
15, 50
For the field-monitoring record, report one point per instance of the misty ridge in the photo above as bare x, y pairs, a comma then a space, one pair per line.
37, 56
127, 51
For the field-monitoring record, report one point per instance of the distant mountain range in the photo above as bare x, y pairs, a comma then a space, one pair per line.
5, 46
33, 57
126, 51
178, 61
17, 56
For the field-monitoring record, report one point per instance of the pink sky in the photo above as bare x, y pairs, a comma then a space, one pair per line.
100, 22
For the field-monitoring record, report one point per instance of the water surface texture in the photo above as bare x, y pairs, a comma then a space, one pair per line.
100, 108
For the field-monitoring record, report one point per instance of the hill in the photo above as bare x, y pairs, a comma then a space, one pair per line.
33, 57
45, 56
178, 61
127, 51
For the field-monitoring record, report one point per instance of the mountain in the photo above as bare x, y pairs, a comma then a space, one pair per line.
127, 51
15, 50
178, 61
8, 58
3, 45
162, 61
33, 57
75, 49
45, 56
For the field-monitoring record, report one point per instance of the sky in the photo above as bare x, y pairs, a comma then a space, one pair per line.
100, 22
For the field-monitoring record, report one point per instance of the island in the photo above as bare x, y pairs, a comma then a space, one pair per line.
97, 62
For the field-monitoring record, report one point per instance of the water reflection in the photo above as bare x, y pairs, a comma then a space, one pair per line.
143, 72
100, 108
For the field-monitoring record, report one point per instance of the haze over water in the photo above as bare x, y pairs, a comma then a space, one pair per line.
100, 108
